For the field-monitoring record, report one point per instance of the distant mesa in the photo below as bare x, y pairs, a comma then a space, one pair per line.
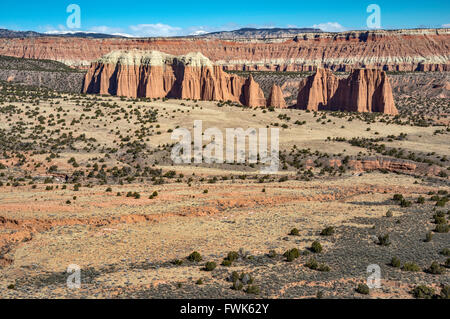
279, 50
365, 90
10, 34
154, 74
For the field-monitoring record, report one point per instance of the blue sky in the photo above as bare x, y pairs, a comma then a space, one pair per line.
168, 18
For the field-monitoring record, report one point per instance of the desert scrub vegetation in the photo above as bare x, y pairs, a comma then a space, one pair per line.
241, 280
384, 240
230, 258
423, 292
314, 265
252, 289
327, 231
294, 232
316, 247
210, 266
195, 257
445, 252
291, 254
395, 262
177, 262
435, 269
410, 266
363, 289
428, 237
442, 228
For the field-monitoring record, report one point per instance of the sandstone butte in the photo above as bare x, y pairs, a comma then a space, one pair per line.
154, 74
365, 90
395, 50
276, 98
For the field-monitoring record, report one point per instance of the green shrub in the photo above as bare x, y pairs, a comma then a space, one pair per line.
405, 203
210, 266
435, 269
251, 289
177, 262
312, 264
447, 263
199, 282
410, 267
294, 232
237, 285
195, 257
272, 254
363, 289
155, 194
227, 263
446, 252
389, 213
441, 202
398, 197
439, 219
421, 200
428, 237
291, 254
327, 231
423, 292
384, 240
395, 262
316, 247
232, 256
234, 276
442, 228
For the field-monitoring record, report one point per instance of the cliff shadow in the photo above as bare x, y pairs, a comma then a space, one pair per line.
112, 89
176, 89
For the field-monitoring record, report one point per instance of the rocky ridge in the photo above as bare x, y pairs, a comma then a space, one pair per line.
398, 50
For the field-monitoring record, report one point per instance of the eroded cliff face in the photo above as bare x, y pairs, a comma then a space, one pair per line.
253, 94
400, 50
365, 90
276, 98
157, 75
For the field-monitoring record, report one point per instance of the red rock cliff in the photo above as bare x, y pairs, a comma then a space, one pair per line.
276, 98
363, 91
156, 75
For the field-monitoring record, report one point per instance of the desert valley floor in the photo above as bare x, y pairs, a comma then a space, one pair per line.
371, 189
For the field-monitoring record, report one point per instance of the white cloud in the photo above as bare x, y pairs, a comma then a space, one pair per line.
198, 32
330, 27
155, 30
446, 25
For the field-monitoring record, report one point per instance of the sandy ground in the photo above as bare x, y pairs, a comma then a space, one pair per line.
125, 245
